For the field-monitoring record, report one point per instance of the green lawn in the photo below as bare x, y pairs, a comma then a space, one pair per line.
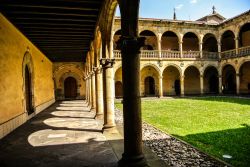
216, 125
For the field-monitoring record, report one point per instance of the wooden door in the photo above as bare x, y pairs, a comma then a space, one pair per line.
70, 87
28, 92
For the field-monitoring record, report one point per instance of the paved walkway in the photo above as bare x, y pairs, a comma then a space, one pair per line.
65, 135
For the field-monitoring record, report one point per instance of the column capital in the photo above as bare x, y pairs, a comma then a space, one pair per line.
98, 70
107, 63
129, 44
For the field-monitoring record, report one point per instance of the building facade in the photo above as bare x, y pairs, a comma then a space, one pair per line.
207, 56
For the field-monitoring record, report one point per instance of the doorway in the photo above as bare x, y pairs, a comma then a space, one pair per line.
213, 84
28, 91
70, 88
149, 86
118, 89
177, 87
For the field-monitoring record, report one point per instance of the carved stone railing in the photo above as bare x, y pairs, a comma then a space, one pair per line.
243, 51
228, 54
170, 54
149, 54
191, 54
117, 54
210, 55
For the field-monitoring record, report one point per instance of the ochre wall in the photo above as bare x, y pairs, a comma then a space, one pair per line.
149, 71
192, 81
245, 77
13, 46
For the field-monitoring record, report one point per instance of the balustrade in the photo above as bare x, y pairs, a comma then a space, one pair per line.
191, 54
210, 55
170, 54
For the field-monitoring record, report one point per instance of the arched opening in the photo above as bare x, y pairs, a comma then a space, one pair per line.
169, 41
149, 86
118, 89
211, 80
70, 88
229, 80
192, 81
245, 78
227, 41
116, 37
190, 42
244, 35
209, 43
151, 40
118, 83
171, 81
28, 91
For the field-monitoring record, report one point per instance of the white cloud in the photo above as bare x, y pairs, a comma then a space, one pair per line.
179, 6
193, 1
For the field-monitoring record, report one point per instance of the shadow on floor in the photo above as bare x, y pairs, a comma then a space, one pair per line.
234, 142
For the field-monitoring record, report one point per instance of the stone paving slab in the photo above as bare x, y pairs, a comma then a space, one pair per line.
65, 134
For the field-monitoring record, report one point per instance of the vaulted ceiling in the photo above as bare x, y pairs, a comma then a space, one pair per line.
61, 29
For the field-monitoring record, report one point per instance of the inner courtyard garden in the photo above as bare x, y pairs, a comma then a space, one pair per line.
215, 125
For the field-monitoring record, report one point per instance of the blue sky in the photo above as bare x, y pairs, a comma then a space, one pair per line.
190, 9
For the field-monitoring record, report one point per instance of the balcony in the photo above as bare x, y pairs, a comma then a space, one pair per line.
169, 54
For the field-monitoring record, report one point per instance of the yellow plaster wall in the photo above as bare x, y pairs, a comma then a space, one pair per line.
170, 75
13, 46
146, 72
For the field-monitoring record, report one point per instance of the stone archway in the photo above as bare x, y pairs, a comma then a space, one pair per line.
171, 81
211, 80
28, 91
245, 78
229, 80
192, 81
149, 83
70, 88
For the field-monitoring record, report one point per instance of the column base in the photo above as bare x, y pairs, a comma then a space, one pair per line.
99, 116
132, 161
108, 128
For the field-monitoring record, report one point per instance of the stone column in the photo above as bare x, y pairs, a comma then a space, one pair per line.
220, 84
237, 83
93, 103
180, 48
159, 44
182, 78
99, 92
219, 49
108, 93
86, 89
160, 87
200, 48
201, 84
90, 91
130, 46
236, 39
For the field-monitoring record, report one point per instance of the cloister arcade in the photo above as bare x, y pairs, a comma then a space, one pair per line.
190, 62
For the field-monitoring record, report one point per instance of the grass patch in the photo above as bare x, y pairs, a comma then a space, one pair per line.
216, 125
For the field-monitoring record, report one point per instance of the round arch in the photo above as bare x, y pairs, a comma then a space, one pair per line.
210, 43
151, 40
28, 83
149, 71
228, 79
211, 80
244, 74
244, 33
191, 80
190, 41
227, 40
171, 80
170, 41
151, 65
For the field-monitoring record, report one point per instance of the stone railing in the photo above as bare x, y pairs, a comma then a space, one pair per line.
117, 54
191, 54
228, 54
210, 55
244, 51
149, 54
170, 54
